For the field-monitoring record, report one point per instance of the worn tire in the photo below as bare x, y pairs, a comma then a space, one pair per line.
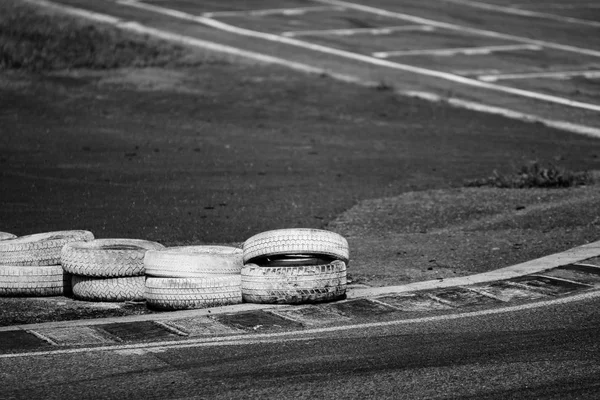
294, 285
40, 248
33, 281
107, 257
130, 288
296, 241
188, 293
6, 235
193, 261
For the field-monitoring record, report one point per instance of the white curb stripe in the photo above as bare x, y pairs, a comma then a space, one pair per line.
360, 57
537, 75
459, 50
212, 46
524, 13
306, 334
460, 28
361, 31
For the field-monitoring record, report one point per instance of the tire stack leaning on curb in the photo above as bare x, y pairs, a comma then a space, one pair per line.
30, 265
190, 277
294, 266
107, 269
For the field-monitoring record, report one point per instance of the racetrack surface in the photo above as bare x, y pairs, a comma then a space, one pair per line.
545, 67
221, 151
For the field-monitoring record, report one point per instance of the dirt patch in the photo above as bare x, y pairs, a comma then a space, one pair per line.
439, 234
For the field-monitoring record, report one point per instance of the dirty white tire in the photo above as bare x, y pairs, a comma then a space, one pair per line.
33, 281
294, 285
107, 257
188, 293
6, 235
296, 241
193, 261
40, 248
130, 288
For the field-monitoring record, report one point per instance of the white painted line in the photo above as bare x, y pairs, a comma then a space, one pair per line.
272, 11
361, 31
171, 328
563, 280
190, 41
476, 71
537, 75
439, 300
560, 6
469, 51
476, 106
305, 68
305, 334
43, 337
530, 267
588, 265
523, 13
460, 28
360, 57
385, 304
483, 293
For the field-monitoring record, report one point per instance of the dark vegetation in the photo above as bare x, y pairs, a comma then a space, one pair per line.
535, 175
33, 40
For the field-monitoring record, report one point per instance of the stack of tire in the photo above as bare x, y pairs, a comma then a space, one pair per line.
30, 265
294, 266
189, 277
107, 270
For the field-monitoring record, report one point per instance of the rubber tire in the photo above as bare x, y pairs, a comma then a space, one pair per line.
294, 285
130, 288
100, 258
6, 235
191, 293
34, 281
40, 248
296, 241
193, 261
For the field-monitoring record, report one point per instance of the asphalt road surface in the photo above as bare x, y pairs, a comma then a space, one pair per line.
548, 352
542, 62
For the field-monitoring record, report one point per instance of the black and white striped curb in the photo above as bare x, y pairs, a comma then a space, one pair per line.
546, 278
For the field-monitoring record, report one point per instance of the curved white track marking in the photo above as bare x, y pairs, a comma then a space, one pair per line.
307, 334
259, 57
360, 57
360, 31
523, 12
439, 24
272, 11
459, 50
537, 75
